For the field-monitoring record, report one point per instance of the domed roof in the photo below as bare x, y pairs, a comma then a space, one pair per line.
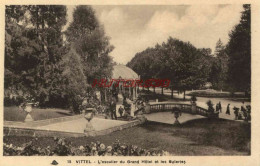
124, 72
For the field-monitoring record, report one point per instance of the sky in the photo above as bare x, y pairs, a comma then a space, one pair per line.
133, 28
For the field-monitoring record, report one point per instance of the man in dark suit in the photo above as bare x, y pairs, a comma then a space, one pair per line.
113, 108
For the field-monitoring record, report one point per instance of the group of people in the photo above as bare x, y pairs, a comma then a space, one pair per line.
240, 113
140, 104
243, 112
124, 111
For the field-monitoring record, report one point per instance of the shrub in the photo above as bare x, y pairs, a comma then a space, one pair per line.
13, 101
64, 148
8, 102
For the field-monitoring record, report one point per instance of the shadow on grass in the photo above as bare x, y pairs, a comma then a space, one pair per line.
196, 137
226, 134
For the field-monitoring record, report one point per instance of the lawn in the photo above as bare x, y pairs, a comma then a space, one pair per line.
197, 137
13, 114
215, 93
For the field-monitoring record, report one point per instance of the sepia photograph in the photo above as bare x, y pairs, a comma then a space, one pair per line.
127, 80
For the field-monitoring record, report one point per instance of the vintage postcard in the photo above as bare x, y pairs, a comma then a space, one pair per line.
130, 83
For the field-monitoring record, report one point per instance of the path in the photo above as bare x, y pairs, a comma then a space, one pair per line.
74, 126
78, 125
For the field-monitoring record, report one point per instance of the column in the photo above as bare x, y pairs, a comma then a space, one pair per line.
136, 95
129, 90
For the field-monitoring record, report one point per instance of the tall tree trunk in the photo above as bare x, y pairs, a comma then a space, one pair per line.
184, 95
154, 90
172, 92
162, 91
105, 95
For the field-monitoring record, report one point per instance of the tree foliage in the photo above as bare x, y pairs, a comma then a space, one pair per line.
219, 69
88, 38
239, 52
186, 66
74, 83
55, 68
34, 46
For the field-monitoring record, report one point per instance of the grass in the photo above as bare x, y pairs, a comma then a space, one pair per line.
197, 137
13, 114
215, 93
149, 95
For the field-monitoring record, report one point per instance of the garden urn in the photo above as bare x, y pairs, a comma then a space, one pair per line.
28, 109
176, 115
88, 116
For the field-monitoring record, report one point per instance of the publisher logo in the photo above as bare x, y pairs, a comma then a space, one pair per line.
54, 162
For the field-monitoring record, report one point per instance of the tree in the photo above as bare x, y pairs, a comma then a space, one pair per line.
54, 68
239, 52
73, 78
34, 48
88, 38
184, 63
175, 60
219, 47
13, 40
219, 67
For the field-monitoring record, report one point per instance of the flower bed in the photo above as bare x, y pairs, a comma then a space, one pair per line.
64, 148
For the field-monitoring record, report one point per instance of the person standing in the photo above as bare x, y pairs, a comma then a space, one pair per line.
220, 107
121, 110
243, 111
228, 109
217, 108
243, 106
113, 109
236, 112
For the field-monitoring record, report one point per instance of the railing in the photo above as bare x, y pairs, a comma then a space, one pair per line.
186, 108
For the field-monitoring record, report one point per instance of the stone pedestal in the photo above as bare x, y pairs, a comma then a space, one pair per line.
176, 115
89, 127
88, 116
28, 109
28, 118
176, 123
193, 108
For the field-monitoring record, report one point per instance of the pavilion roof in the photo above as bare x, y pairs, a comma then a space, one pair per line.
124, 72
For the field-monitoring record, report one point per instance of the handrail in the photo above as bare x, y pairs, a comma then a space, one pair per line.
187, 108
